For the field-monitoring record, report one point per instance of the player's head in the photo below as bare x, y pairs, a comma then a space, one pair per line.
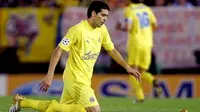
99, 11
136, 1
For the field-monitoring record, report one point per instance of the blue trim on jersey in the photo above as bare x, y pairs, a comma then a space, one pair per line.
126, 20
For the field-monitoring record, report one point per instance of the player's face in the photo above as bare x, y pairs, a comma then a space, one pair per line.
101, 17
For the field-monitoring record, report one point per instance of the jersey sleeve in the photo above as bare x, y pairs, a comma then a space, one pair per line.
106, 42
152, 17
69, 39
128, 15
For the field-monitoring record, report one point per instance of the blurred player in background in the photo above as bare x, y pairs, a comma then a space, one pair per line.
83, 41
140, 23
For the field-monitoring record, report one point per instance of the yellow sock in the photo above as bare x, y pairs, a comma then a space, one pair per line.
50, 108
35, 104
65, 107
137, 87
148, 77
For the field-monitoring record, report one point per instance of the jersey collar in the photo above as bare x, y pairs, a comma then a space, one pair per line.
88, 25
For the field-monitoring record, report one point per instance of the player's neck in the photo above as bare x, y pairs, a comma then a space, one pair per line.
91, 23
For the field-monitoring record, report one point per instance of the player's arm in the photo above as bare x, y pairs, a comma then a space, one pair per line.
54, 60
153, 20
46, 82
64, 45
154, 26
127, 21
120, 60
126, 27
109, 47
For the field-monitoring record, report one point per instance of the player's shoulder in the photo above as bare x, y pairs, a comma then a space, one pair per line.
147, 7
144, 5
127, 9
76, 27
137, 7
103, 27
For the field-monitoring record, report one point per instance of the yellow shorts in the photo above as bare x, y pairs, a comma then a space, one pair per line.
78, 94
140, 57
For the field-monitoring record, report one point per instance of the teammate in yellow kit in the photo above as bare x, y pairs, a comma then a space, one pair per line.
140, 23
83, 42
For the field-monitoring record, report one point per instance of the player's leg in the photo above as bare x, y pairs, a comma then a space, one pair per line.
93, 109
151, 79
144, 66
137, 88
86, 97
67, 102
22, 102
133, 61
58, 107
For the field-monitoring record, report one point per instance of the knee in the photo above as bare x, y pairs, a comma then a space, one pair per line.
93, 109
141, 70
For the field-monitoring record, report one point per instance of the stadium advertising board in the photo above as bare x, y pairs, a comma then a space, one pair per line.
28, 84
110, 85
175, 42
3, 84
33, 31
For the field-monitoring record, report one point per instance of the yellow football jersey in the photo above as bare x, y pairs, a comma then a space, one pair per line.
68, 3
84, 44
141, 19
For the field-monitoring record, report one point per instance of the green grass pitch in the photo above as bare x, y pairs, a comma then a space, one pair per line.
125, 104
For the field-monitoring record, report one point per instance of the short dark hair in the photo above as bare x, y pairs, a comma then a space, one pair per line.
136, 1
96, 6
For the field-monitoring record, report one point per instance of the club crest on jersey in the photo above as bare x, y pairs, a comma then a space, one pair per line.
65, 41
92, 99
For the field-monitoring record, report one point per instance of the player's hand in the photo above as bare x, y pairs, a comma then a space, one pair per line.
118, 26
46, 83
134, 72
